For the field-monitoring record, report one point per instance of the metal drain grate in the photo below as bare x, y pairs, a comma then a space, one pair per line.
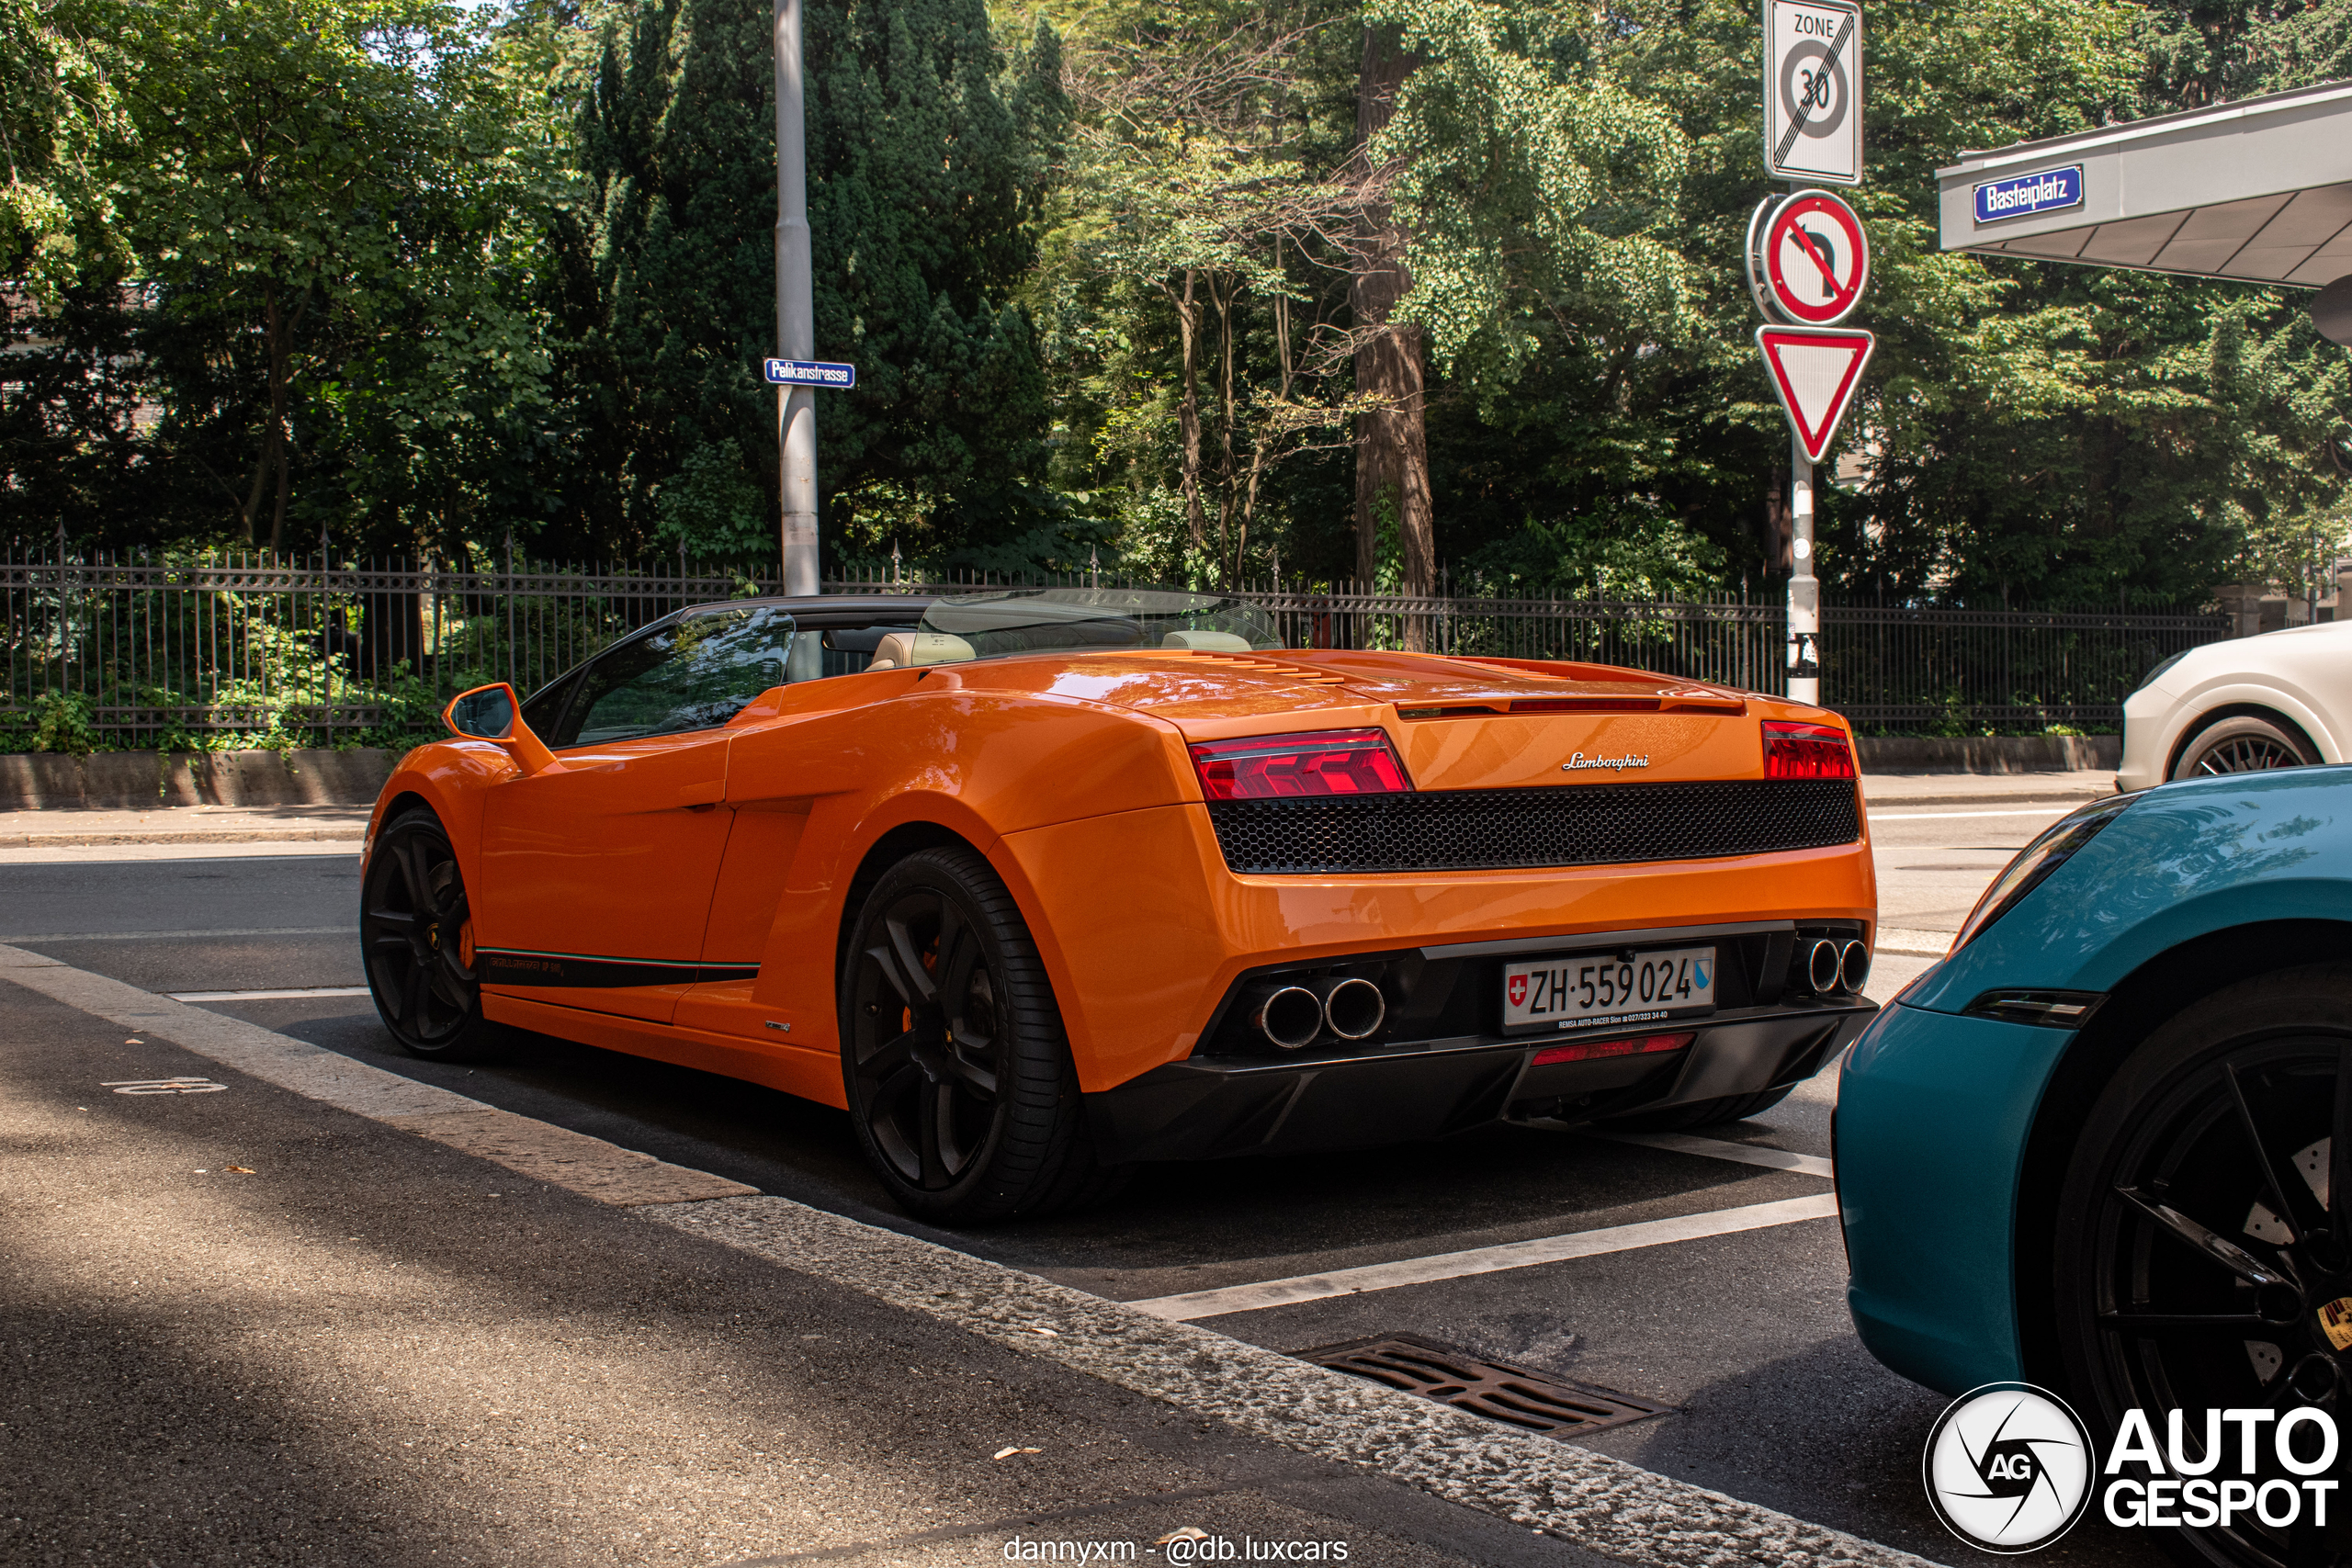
1496, 1390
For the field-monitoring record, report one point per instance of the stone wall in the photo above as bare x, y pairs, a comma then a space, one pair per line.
133, 780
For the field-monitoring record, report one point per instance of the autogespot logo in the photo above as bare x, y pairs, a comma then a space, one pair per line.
2010, 1468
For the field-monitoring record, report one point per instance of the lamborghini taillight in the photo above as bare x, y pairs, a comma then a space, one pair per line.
1806, 751
1279, 767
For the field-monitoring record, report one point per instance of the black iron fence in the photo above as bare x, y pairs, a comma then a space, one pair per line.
224, 650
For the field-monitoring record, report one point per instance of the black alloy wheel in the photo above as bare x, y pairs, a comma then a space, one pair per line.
2200, 1261
959, 1079
416, 936
2241, 744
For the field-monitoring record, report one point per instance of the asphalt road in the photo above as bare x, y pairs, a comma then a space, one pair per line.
1745, 1334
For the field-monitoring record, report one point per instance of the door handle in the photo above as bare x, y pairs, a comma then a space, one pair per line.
708, 793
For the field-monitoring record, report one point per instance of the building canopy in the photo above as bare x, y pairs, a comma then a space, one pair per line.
2259, 191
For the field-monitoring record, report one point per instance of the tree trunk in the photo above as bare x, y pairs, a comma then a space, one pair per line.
1392, 443
1221, 294
272, 462
1188, 327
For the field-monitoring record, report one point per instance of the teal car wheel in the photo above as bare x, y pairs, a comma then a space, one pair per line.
2200, 1261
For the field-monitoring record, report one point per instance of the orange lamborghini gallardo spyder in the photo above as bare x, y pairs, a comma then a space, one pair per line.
1039, 885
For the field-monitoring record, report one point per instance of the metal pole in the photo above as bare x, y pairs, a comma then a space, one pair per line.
796, 319
1804, 588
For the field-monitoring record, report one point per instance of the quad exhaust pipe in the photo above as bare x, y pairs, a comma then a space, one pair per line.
1293, 1015
1831, 966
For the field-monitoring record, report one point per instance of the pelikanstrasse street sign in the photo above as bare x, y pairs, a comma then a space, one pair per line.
811, 373
1812, 91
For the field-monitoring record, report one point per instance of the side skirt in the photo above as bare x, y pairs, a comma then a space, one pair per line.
811, 1074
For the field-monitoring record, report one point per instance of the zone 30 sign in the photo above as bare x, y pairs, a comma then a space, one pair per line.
1812, 91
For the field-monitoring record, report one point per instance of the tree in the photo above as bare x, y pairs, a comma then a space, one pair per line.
1197, 198
309, 172
59, 121
1392, 440
927, 159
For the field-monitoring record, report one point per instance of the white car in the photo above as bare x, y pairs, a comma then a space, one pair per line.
2280, 700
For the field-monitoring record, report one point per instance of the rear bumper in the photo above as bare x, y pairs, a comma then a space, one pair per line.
1216, 1108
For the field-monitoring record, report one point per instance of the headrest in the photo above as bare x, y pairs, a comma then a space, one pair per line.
903, 651
1214, 642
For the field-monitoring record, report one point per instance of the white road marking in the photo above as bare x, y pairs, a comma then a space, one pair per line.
187, 936
1926, 815
164, 1085
1194, 1304
303, 995
1723, 1148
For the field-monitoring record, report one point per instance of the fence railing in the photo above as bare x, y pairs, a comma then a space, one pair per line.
227, 649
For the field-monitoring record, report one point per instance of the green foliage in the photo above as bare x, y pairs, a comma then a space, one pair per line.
1541, 202
58, 113
1580, 558
711, 510
929, 152
62, 723
418, 275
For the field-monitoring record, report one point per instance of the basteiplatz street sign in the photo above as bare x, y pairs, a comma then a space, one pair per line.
1812, 91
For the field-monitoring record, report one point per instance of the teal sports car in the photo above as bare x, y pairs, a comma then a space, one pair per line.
2095, 1147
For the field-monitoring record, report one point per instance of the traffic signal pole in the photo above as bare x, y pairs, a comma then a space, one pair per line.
796, 314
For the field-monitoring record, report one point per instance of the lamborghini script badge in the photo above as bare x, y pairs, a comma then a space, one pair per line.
1578, 760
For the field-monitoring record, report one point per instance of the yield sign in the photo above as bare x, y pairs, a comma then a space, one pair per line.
1814, 371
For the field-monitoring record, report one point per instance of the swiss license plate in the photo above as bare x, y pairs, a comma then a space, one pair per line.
1580, 989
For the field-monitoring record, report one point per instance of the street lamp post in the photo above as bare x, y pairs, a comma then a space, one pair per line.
795, 315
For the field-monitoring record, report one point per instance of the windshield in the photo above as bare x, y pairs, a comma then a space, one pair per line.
1031, 620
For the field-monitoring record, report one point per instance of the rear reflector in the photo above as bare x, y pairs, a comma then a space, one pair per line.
1806, 751
1279, 767
1592, 1050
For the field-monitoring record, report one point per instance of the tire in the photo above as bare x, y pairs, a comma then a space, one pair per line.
416, 940
2242, 744
2254, 1068
1702, 1113
959, 1077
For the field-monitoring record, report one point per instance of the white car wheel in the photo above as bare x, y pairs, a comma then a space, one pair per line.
2242, 744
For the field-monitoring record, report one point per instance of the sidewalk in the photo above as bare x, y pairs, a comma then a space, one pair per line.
80, 828
245, 1326
1898, 791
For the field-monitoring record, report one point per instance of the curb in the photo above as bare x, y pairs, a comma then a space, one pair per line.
231, 836
1604, 1504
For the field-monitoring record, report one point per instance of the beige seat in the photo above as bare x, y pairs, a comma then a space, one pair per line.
903, 651
1212, 642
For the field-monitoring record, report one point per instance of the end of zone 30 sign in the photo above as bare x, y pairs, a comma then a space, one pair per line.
1812, 91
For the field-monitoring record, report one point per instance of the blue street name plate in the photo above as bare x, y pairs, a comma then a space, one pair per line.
2025, 195
810, 373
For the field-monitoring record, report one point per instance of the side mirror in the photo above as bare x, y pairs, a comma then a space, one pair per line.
493, 713
486, 712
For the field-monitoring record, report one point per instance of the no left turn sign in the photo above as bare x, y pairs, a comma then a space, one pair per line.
1808, 260
1812, 91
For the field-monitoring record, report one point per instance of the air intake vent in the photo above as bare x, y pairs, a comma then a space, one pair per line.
1498, 829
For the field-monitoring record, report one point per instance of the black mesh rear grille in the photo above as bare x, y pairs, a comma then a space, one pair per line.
1495, 830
